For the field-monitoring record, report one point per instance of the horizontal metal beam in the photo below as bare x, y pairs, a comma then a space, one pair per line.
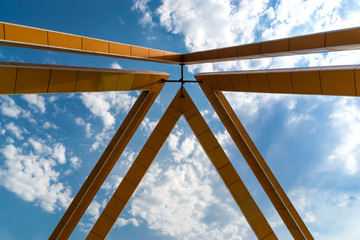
24, 78
29, 37
347, 39
334, 80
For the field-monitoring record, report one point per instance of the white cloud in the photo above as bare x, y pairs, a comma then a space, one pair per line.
213, 24
97, 104
148, 126
105, 105
36, 101
81, 122
183, 197
121, 222
249, 104
33, 178
300, 17
2, 131
115, 65
142, 7
59, 153
48, 125
15, 130
53, 98
101, 104
94, 209
345, 119
75, 162
330, 214
40, 146
9, 107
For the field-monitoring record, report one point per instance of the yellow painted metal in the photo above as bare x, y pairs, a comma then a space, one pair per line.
232, 180
334, 80
148, 153
17, 78
64, 40
7, 80
30, 37
259, 82
62, 81
32, 80
21, 78
338, 82
106, 162
1, 31
347, 39
95, 45
136, 172
17, 33
256, 162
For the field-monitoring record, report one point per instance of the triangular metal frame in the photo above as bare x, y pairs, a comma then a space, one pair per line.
182, 105
18, 78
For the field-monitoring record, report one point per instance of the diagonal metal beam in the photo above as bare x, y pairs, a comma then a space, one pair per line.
227, 172
332, 80
257, 164
16, 35
106, 162
269, 183
136, 172
345, 39
181, 104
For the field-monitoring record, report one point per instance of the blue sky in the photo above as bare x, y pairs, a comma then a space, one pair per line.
49, 143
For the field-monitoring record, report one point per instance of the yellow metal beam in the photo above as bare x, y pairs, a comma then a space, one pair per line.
348, 39
268, 180
105, 164
227, 172
21, 78
212, 148
256, 162
333, 80
136, 172
29, 37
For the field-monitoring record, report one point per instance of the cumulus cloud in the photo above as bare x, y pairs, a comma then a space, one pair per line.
333, 214
48, 125
142, 7
9, 107
36, 101
122, 222
288, 18
214, 24
183, 197
33, 178
15, 130
97, 104
148, 126
59, 153
345, 119
101, 104
81, 122
249, 104
75, 162
39, 146
115, 65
